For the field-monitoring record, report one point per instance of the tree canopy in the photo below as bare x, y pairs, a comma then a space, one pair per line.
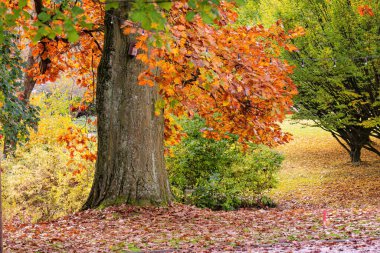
338, 67
205, 63
230, 75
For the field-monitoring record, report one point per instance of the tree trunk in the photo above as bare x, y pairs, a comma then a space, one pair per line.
9, 146
29, 82
355, 153
356, 138
130, 167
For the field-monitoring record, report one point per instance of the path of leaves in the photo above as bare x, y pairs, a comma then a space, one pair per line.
184, 228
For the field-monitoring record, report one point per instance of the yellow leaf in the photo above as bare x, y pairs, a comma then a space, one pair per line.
226, 103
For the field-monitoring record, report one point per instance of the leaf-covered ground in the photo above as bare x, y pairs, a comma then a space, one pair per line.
187, 228
317, 173
315, 181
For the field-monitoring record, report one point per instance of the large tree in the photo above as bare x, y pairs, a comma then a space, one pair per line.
229, 75
338, 67
191, 60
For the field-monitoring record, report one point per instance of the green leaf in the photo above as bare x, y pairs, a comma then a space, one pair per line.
84, 24
22, 3
192, 4
239, 2
10, 20
77, 10
166, 5
157, 19
113, 5
190, 16
41, 32
59, 15
26, 14
69, 26
133, 248
3, 9
173, 103
137, 16
2, 98
72, 36
16, 13
51, 34
207, 17
159, 42
146, 23
160, 104
57, 30
44, 17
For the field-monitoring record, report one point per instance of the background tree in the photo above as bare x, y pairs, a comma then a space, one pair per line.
338, 67
15, 115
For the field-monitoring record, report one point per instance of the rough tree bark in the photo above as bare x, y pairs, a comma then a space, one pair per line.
130, 166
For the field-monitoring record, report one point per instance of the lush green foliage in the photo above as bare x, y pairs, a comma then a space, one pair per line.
338, 66
15, 115
217, 173
41, 181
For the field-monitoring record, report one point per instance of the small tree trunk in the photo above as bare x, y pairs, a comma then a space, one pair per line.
356, 137
130, 166
355, 153
9, 146
29, 82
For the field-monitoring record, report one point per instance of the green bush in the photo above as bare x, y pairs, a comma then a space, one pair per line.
219, 174
197, 158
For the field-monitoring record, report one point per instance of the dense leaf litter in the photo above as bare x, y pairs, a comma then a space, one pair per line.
188, 229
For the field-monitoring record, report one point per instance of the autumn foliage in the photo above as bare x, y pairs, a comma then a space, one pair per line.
47, 31
230, 75
365, 10
79, 143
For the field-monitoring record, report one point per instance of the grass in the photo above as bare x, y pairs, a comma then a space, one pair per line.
317, 173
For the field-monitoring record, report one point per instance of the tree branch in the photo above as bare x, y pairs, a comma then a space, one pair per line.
89, 32
372, 149
341, 143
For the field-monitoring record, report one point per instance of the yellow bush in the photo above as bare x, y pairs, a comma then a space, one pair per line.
39, 181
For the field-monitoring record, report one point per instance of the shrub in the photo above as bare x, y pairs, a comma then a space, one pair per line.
38, 184
41, 181
197, 157
219, 174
